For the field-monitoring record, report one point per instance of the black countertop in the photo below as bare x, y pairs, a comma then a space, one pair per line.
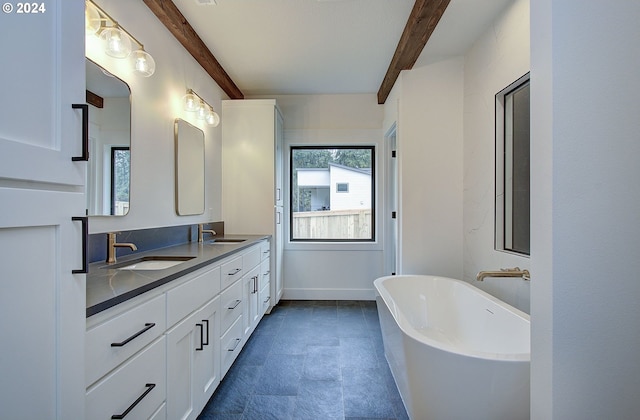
108, 286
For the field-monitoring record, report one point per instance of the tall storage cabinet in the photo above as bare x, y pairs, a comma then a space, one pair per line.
252, 176
42, 288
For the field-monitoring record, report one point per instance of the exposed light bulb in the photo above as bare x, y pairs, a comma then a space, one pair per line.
143, 63
202, 111
117, 43
212, 117
92, 21
191, 101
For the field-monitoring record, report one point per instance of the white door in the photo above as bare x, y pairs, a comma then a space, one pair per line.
391, 215
42, 302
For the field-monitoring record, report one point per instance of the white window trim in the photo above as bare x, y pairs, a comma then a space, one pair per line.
322, 138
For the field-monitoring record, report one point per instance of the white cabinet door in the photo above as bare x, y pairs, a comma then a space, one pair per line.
279, 157
193, 362
250, 301
248, 148
42, 75
42, 304
207, 361
277, 251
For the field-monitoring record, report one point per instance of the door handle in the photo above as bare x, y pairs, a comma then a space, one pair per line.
85, 132
85, 239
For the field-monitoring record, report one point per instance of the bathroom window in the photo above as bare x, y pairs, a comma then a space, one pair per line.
332, 193
513, 168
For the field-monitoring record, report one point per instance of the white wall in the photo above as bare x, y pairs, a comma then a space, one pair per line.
585, 307
155, 104
498, 58
426, 103
332, 271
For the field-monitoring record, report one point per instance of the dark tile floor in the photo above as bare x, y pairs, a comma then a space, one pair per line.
311, 360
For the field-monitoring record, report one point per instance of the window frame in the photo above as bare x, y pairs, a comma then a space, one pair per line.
112, 199
331, 146
502, 215
339, 191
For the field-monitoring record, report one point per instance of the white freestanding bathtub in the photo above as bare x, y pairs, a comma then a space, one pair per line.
456, 352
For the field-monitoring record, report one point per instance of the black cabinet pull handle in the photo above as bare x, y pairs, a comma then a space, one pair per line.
85, 240
132, 406
234, 272
237, 302
206, 342
201, 346
146, 328
238, 340
85, 132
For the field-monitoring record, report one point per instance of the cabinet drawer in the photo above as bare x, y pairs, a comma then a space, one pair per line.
251, 258
231, 306
265, 249
141, 380
265, 272
231, 271
187, 297
265, 298
230, 345
115, 340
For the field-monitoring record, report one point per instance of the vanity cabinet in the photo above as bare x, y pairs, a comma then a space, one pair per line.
168, 349
42, 302
252, 176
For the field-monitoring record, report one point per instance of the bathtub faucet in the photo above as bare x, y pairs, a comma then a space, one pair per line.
505, 272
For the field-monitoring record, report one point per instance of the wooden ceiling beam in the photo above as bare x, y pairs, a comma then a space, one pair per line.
177, 24
422, 21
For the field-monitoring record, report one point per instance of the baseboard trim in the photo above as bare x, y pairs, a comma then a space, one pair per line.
329, 294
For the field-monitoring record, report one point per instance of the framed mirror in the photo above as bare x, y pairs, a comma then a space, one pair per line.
189, 150
109, 166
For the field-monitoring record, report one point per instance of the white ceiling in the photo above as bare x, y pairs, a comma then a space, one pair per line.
277, 47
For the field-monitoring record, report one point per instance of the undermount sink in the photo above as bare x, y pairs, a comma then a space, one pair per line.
225, 241
152, 263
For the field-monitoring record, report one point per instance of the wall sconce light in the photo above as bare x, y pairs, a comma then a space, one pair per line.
194, 103
118, 42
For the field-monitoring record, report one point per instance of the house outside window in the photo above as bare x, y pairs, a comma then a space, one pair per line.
332, 193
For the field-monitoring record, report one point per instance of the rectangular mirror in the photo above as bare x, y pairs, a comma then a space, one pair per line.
189, 145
